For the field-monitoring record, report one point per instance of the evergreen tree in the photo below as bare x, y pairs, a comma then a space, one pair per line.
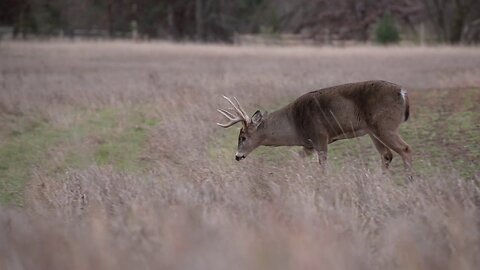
386, 31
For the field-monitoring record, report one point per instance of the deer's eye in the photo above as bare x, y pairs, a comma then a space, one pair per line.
242, 139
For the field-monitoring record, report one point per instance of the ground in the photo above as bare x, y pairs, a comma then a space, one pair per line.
114, 144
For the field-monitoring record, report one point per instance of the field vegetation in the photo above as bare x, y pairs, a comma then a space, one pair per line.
110, 159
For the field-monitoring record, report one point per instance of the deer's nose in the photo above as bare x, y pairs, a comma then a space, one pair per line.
239, 157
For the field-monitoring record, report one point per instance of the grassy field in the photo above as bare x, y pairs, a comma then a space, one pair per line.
110, 159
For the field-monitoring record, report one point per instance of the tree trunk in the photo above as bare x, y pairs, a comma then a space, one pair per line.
110, 18
458, 23
199, 19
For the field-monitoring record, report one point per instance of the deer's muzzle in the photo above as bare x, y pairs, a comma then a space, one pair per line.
239, 157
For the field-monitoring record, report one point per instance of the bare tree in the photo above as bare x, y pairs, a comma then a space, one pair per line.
450, 18
346, 19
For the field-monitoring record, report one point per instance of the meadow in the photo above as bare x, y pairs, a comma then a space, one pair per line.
110, 158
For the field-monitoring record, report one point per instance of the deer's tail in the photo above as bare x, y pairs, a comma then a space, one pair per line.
407, 104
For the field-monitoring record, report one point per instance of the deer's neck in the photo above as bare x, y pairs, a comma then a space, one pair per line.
278, 129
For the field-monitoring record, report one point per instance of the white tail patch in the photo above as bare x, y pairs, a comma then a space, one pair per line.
403, 93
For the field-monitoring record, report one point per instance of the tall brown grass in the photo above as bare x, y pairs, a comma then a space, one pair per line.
192, 209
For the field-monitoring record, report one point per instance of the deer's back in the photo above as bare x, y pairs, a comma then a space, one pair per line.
349, 107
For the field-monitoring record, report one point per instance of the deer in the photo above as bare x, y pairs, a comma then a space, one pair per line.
319, 118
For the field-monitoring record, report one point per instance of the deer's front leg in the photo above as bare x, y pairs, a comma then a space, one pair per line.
320, 145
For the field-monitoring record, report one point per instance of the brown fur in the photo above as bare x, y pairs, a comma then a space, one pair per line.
348, 108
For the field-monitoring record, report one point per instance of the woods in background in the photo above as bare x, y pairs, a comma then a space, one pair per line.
445, 21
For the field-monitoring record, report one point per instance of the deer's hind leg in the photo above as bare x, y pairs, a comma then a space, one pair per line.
392, 140
385, 153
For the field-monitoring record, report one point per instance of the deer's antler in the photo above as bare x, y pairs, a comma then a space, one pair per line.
239, 114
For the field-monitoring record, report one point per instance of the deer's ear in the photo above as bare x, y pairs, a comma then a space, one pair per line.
257, 118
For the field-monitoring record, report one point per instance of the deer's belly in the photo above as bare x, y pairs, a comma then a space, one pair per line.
349, 135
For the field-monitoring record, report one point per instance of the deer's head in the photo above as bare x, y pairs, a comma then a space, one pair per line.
250, 136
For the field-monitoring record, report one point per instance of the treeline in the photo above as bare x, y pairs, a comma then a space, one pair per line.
447, 21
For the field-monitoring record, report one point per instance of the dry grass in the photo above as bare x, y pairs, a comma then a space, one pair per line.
111, 154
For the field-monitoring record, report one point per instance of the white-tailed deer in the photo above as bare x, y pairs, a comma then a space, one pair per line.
318, 118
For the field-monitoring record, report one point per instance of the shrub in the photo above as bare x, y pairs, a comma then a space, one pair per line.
386, 31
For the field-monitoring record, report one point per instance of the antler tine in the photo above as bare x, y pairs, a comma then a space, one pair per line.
232, 118
229, 124
234, 105
239, 109
226, 113
242, 110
